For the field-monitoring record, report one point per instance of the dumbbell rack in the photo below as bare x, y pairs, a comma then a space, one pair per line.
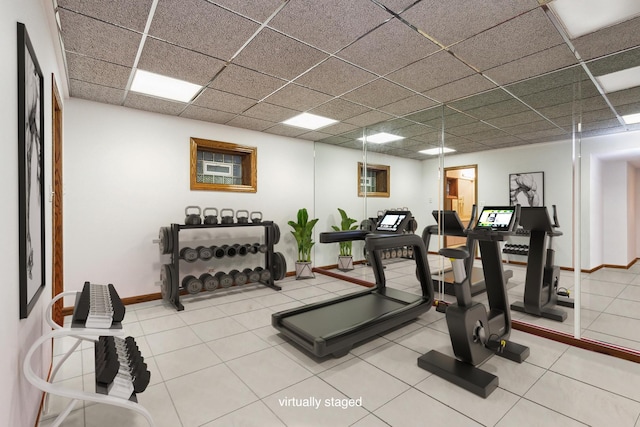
172, 295
80, 333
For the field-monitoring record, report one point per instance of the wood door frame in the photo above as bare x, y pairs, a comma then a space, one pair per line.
56, 193
475, 184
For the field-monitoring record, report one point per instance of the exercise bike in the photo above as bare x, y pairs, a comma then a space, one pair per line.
541, 290
477, 333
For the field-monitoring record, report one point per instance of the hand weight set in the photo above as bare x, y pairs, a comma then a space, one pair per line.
225, 280
256, 217
120, 367
205, 253
192, 284
239, 277
210, 283
244, 219
210, 219
189, 254
228, 218
254, 276
265, 274
191, 218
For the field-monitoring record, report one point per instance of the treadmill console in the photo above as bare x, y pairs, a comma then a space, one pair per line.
497, 219
393, 222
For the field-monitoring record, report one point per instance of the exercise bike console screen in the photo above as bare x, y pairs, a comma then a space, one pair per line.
496, 218
393, 222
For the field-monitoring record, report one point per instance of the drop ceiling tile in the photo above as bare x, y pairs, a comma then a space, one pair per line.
548, 98
601, 115
339, 128
156, 105
270, 112
546, 135
130, 14
515, 119
377, 93
480, 100
602, 128
432, 137
469, 129
334, 140
389, 47
541, 125
415, 130
487, 135
250, 123
314, 136
613, 63
335, 77
245, 82
455, 20
626, 96
284, 130
435, 70
498, 109
339, 109
397, 6
625, 109
201, 26
545, 61
556, 111
609, 40
91, 70
368, 118
429, 115
355, 145
329, 24
278, 55
94, 92
185, 64
408, 105
399, 152
258, 10
96, 39
298, 97
390, 126
517, 38
206, 114
223, 101
466, 86
547, 82
500, 141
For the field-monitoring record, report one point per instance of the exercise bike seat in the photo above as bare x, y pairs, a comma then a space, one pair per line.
455, 253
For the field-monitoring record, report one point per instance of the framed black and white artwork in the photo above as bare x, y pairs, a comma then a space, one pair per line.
31, 174
526, 189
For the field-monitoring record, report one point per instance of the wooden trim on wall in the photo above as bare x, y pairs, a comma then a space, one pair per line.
57, 257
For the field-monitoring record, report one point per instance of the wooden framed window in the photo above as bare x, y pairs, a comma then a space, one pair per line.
375, 181
223, 166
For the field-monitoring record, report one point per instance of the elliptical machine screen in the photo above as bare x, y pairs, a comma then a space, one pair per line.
393, 222
496, 219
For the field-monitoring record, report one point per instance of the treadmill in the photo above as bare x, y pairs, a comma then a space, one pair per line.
334, 326
449, 224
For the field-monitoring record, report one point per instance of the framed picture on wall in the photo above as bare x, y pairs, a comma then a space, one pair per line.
526, 189
31, 174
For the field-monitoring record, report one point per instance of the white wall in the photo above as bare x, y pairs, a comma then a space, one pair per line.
637, 213
594, 214
614, 212
19, 401
127, 175
632, 194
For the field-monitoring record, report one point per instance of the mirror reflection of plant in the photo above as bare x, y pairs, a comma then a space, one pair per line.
346, 223
302, 232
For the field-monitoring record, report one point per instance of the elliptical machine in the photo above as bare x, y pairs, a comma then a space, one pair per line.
477, 333
541, 291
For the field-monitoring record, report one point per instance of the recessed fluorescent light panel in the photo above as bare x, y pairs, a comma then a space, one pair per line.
586, 16
381, 138
309, 121
623, 79
434, 151
631, 118
163, 87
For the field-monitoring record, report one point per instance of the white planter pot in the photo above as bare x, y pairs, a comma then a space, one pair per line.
345, 262
304, 270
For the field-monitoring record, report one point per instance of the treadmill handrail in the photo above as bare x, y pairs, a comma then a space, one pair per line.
343, 236
376, 242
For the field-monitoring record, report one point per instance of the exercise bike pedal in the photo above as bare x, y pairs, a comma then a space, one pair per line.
441, 306
513, 351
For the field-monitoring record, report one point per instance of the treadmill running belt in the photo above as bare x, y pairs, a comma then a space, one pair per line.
336, 317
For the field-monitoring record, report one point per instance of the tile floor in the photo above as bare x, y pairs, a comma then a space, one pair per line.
220, 363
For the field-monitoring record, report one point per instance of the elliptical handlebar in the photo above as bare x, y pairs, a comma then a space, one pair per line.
472, 220
555, 224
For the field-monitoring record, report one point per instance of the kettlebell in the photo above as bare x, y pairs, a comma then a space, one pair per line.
242, 219
226, 219
256, 217
192, 219
210, 219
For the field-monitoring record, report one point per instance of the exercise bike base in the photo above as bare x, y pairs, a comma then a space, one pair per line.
565, 302
462, 374
548, 313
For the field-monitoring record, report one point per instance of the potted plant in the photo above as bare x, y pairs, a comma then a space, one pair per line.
345, 259
302, 232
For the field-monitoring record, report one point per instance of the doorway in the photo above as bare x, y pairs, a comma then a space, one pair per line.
460, 195
57, 190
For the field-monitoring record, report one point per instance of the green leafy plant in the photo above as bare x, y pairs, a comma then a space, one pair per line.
346, 223
302, 231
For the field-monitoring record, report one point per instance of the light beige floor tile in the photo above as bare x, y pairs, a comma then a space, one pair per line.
238, 345
398, 361
185, 361
528, 414
217, 328
256, 414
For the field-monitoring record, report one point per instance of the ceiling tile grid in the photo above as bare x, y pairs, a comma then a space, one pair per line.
366, 63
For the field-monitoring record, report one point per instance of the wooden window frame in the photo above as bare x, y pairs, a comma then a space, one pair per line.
383, 180
249, 165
